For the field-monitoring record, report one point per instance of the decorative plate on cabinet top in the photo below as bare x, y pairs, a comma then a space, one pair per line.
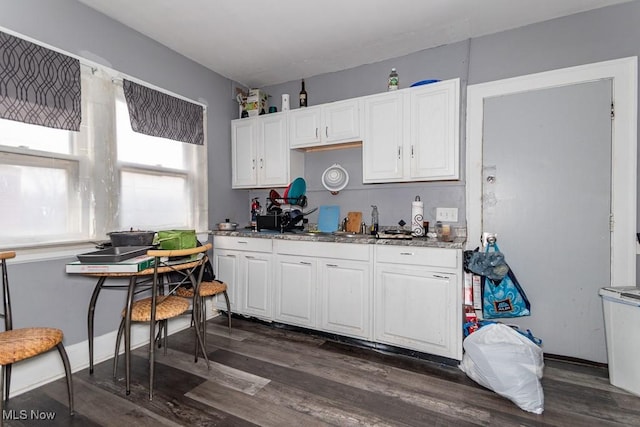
424, 82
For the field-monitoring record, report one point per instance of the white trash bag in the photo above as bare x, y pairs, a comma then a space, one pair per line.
503, 360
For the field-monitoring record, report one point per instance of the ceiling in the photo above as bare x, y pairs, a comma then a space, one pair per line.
259, 43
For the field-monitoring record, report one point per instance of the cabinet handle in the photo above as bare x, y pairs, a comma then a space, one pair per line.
440, 277
253, 162
326, 131
412, 151
249, 257
305, 263
242, 242
406, 253
332, 265
316, 132
399, 152
261, 163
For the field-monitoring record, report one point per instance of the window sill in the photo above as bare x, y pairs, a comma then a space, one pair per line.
50, 253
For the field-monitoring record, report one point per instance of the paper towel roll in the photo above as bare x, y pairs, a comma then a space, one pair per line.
285, 102
417, 215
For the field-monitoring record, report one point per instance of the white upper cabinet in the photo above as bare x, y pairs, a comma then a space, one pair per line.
326, 124
383, 139
244, 141
434, 131
260, 152
412, 134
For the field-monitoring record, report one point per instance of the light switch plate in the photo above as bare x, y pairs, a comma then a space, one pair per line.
447, 214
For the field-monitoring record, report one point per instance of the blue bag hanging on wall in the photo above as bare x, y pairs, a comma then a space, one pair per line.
503, 298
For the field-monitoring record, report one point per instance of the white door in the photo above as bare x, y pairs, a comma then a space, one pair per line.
256, 281
383, 139
547, 194
225, 264
273, 161
295, 290
345, 288
434, 131
243, 152
341, 121
304, 126
415, 308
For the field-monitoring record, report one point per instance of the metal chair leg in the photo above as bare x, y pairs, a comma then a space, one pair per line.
199, 333
2, 369
7, 380
166, 335
68, 373
195, 317
226, 298
117, 351
203, 303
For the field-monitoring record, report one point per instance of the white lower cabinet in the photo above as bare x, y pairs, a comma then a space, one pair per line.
255, 273
295, 290
245, 265
345, 297
325, 286
418, 305
404, 296
225, 266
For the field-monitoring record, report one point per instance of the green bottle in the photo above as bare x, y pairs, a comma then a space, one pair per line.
394, 81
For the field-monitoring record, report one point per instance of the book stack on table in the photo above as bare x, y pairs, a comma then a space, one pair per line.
130, 259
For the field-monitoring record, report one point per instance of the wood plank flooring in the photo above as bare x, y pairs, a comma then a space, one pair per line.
267, 376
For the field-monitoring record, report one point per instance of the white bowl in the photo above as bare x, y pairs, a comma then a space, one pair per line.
335, 178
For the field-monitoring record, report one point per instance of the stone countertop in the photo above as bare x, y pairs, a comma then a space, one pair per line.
361, 239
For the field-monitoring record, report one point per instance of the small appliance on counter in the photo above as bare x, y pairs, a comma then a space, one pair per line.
288, 219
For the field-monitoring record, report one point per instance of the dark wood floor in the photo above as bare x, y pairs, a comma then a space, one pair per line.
268, 376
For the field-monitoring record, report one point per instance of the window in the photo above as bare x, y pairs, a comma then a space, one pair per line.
59, 186
155, 175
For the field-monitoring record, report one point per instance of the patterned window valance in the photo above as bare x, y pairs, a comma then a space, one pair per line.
38, 85
155, 113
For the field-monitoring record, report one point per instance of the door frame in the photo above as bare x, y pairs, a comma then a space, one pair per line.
624, 75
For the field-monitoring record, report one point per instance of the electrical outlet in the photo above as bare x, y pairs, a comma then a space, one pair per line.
447, 214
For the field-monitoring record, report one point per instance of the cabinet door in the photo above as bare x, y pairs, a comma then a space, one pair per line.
382, 144
304, 127
345, 288
434, 131
416, 308
295, 290
273, 158
341, 122
243, 153
256, 285
225, 264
